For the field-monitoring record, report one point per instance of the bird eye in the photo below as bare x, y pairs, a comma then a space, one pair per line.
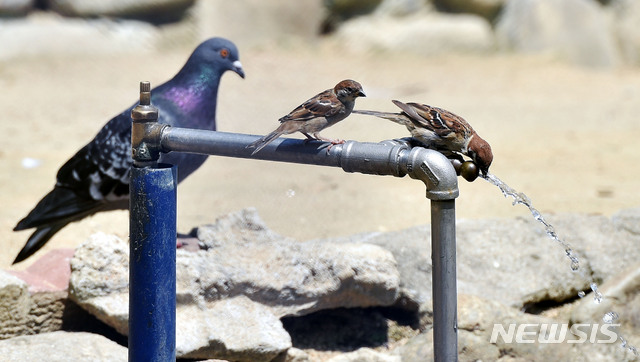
224, 53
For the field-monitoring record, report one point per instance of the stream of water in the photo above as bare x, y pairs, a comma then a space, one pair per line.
522, 199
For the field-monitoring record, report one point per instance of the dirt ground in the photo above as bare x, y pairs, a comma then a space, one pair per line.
566, 136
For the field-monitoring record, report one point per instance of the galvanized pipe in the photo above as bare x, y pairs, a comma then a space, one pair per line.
385, 158
444, 289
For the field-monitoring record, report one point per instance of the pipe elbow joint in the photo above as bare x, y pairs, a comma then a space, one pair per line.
436, 171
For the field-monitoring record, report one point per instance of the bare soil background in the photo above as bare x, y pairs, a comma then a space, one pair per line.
566, 136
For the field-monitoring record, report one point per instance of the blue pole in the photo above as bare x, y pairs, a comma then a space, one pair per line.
152, 264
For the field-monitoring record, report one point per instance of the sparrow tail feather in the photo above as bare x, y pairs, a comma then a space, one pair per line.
264, 141
394, 117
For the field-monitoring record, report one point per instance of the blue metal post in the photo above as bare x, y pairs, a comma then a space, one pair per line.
152, 273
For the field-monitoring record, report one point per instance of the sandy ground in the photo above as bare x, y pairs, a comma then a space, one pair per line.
565, 136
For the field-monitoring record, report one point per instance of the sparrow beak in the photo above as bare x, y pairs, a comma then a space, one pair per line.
237, 67
361, 94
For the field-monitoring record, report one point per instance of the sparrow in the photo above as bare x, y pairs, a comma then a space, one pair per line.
321, 111
96, 178
440, 129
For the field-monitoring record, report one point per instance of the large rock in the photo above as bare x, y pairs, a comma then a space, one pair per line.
148, 9
15, 304
423, 33
16, 7
620, 305
231, 295
48, 33
261, 23
627, 18
488, 9
365, 355
576, 30
34, 300
531, 268
478, 319
62, 346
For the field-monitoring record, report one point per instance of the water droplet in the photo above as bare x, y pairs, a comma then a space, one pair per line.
623, 342
291, 193
610, 317
581, 294
597, 296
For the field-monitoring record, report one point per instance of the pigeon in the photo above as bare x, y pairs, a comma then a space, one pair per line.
321, 111
96, 178
440, 129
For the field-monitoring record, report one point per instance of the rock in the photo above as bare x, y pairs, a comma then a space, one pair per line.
16, 7
246, 280
264, 23
478, 319
421, 34
401, 7
34, 300
62, 346
293, 355
627, 18
629, 221
235, 328
337, 11
15, 304
488, 9
54, 34
147, 9
576, 30
364, 355
620, 305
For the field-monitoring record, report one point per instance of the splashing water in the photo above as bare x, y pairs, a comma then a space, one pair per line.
610, 317
522, 199
597, 296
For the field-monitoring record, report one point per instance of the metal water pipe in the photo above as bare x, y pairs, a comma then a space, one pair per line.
394, 158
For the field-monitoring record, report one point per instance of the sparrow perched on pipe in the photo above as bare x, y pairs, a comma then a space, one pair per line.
322, 111
440, 129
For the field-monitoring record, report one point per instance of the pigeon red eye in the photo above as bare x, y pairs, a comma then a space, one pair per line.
224, 53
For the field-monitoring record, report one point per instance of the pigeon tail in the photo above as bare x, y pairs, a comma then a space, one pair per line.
37, 240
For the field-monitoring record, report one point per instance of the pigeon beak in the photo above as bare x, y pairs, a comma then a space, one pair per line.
237, 67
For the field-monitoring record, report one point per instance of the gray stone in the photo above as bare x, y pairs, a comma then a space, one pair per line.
48, 33
627, 17
245, 281
162, 9
620, 305
235, 328
364, 355
477, 319
402, 7
488, 9
421, 33
15, 304
62, 346
263, 23
16, 7
576, 30
34, 300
